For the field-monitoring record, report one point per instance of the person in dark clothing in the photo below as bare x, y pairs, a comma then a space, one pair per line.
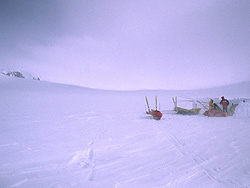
224, 102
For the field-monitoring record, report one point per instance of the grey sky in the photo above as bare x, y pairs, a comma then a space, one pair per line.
132, 44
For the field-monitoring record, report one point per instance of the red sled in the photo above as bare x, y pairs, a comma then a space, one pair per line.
214, 113
156, 114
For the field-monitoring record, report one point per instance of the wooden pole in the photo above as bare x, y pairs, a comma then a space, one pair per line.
156, 102
147, 103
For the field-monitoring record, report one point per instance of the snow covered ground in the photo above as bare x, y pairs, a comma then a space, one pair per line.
63, 136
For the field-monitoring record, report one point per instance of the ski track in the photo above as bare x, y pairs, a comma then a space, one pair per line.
214, 174
18, 184
99, 158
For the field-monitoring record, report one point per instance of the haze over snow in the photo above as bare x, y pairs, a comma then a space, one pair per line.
128, 44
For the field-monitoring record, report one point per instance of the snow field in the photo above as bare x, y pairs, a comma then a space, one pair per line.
63, 136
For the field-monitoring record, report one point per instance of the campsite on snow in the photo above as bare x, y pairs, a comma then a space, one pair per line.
57, 135
125, 94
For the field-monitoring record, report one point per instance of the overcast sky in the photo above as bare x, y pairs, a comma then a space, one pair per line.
128, 44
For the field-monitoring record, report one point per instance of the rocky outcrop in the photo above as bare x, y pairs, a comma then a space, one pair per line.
15, 74
18, 74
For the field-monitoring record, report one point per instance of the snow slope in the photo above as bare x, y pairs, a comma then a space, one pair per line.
55, 135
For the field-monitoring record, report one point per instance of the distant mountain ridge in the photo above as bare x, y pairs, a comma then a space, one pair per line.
241, 90
19, 74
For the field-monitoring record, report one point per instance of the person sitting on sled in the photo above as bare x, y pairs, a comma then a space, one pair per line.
211, 104
224, 102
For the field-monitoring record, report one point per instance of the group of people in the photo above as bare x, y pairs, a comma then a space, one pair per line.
224, 102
